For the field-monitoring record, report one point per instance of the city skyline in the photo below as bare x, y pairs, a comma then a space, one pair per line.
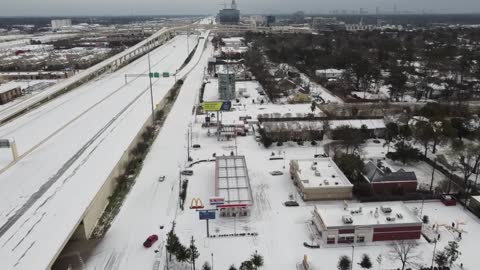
190, 7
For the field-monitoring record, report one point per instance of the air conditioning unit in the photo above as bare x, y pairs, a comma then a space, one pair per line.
386, 209
347, 220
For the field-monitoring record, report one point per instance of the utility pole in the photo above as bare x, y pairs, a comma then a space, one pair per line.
151, 88
433, 173
353, 253
434, 248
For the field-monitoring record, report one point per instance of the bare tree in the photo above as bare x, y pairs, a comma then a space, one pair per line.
404, 251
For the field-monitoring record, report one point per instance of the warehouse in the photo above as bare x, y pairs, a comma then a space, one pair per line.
364, 223
320, 179
232, 186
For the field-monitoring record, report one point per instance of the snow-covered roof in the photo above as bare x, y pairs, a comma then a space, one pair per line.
8, 87
320, 173
367, 214
231, 180
358, 123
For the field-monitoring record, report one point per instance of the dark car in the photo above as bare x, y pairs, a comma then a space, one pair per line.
150, 240
187, 172
291, 203
196, 146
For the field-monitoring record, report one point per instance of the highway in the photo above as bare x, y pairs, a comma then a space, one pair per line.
69, 146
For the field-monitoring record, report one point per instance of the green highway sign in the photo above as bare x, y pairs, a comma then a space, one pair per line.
166, 74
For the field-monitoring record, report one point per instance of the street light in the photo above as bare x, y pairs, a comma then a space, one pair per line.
151, 88
433, 256
212, 260
353, 253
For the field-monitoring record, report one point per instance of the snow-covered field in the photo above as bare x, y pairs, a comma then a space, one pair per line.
79, 138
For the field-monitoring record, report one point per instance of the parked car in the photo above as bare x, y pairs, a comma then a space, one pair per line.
276, 173
187, 172
291, 203
161, 178
150, 240
196, 146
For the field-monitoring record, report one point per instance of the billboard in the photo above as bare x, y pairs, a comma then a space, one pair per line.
215, 106
206, 214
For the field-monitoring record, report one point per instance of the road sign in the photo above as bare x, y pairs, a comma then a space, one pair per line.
217, 201
4, 143
165, 74
150, 74
156, 75
206, 214
215, 106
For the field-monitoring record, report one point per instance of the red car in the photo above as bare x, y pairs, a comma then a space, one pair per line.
150, 240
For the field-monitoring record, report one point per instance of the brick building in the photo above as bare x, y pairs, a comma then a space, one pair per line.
384, 181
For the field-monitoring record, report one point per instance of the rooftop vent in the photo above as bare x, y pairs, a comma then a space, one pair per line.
399, 216
347, 220
386, 209
390, 218
317, 173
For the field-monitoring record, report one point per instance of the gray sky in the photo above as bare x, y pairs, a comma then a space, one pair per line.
166, 7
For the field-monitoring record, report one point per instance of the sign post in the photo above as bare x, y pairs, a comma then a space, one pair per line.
207, 215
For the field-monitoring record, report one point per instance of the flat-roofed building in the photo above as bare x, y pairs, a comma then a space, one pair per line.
320, 179
368, 222
9, 92
232, 185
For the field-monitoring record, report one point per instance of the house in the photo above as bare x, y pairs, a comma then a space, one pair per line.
384, 181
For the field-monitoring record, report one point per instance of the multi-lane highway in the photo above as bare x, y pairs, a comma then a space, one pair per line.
69, 147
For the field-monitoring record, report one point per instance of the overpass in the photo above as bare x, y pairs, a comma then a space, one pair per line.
59, 190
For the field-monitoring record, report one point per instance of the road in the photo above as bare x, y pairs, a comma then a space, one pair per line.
76, 140
150, 203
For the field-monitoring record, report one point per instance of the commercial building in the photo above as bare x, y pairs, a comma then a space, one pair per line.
320, 179
36, 75
364, 223
59, 24
226, 83
327, 24
229, 15
9, 92
384, 181
232, 186
330, 73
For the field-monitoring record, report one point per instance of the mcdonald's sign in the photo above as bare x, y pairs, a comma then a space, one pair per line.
196, 204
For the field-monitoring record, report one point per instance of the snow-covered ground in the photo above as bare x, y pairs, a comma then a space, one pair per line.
281, 230
80, 137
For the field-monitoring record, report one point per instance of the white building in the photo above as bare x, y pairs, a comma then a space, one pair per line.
320, 179
368, 222
329, 73
59, 24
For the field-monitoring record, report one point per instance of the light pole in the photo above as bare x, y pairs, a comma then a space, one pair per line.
433, 173
212, 260
353, 253
151, 88
433, 256
284, 159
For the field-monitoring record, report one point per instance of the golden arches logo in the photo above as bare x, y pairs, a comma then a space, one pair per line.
196, 204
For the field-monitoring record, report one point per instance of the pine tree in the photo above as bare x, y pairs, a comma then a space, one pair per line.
366, 263
206, 266
344, 263
257, 260
441, 258
173, 244
452, 252
232, 267
194, 254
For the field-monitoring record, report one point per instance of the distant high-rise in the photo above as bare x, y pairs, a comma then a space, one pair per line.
59, 24
229, 15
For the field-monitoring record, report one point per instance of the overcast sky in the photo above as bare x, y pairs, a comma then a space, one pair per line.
168, 7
